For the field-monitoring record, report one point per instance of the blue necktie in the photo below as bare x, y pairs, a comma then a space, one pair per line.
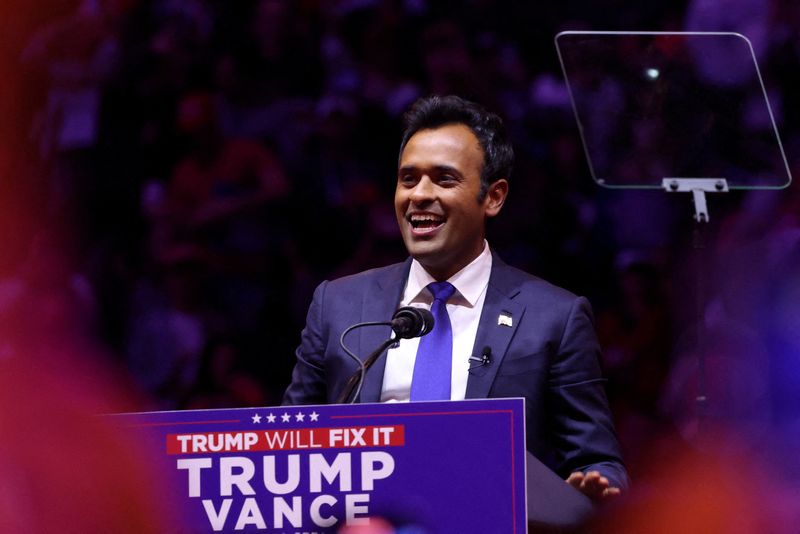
431, 380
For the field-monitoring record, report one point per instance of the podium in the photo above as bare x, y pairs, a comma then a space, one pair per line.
425, 467
552, 505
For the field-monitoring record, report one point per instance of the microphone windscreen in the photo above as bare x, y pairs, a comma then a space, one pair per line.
409, 322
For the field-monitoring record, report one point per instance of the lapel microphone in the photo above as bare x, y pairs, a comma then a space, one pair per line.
484, 359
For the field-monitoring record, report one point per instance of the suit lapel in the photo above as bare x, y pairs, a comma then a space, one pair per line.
379, 303
500, 319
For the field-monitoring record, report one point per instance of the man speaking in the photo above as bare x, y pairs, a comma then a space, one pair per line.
498, 331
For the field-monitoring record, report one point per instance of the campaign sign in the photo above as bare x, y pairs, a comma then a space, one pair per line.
428, 467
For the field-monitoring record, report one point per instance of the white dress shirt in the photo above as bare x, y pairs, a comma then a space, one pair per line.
464, 309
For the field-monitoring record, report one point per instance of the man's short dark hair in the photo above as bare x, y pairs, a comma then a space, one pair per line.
436, 111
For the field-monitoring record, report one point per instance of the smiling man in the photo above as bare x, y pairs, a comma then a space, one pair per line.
499, 332
440, 202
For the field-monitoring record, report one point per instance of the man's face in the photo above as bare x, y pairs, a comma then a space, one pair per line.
436, 200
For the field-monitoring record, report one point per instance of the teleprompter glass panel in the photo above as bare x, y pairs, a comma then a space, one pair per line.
655, 105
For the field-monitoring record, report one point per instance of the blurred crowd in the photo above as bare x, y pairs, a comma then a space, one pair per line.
193, 168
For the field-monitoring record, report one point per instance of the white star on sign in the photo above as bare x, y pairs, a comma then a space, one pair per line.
286, 417
314, 416
256, 418
299, 416
271, 418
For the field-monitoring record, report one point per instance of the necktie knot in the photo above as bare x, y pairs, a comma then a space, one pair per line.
441, 290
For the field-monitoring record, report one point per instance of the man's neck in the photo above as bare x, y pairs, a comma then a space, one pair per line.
445, 273
442, 275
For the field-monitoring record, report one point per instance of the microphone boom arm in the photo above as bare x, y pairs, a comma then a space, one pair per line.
357, 378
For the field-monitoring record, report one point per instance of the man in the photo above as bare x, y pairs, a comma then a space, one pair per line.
506, 333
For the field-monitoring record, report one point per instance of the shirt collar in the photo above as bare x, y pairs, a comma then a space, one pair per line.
470, 282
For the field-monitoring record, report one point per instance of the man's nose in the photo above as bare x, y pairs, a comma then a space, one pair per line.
424, 191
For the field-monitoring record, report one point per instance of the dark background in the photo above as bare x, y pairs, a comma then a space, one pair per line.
177, 177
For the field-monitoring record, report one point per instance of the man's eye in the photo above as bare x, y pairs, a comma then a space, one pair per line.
406, 178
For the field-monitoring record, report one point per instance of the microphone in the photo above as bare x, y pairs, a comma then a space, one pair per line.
406, 323
409, 322
484, 359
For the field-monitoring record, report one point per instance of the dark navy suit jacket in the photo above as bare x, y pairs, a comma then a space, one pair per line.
549, 355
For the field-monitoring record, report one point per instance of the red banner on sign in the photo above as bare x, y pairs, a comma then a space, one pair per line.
287, 439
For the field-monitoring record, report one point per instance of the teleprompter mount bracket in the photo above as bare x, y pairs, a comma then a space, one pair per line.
698, 187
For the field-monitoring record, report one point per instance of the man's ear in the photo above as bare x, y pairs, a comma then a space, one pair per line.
495, 197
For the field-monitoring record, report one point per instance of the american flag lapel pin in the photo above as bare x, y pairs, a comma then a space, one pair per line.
504, 320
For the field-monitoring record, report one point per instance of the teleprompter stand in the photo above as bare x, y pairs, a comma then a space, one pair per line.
669, 110
698, 187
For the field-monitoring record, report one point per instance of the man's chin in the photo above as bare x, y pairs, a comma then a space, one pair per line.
431, 259
422, 249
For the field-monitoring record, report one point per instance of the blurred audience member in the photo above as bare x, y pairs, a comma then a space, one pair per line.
223, 382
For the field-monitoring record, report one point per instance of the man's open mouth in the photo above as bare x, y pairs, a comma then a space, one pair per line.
425, 221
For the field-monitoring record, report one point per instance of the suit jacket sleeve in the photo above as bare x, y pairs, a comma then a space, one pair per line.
579, 416
308, 384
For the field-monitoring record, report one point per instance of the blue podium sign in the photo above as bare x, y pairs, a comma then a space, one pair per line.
431, 467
